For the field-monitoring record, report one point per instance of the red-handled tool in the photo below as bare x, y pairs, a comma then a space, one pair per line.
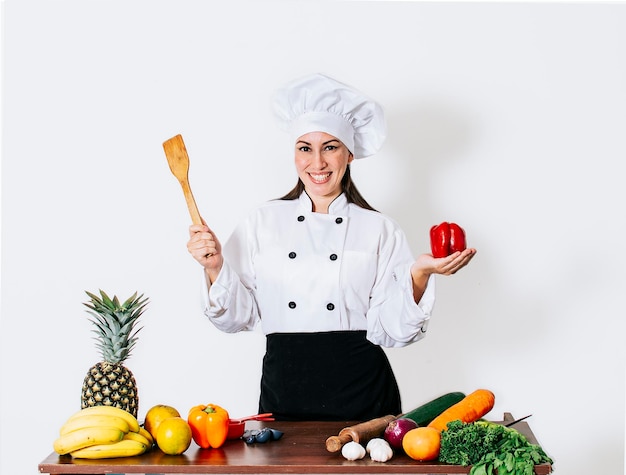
258, 417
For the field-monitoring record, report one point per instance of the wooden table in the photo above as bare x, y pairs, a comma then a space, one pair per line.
301, 450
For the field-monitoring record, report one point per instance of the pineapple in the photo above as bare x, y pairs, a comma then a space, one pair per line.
109, 382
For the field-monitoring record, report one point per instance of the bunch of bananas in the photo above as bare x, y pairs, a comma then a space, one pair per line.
102, 432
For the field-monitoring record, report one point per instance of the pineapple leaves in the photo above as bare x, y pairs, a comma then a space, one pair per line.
115, 323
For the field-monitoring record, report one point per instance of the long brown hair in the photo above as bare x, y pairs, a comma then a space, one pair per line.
347, 185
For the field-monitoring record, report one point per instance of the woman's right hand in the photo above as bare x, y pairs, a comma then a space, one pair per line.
205, 248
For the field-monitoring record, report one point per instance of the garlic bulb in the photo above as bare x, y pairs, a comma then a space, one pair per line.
353, 451
374, 442
379, 450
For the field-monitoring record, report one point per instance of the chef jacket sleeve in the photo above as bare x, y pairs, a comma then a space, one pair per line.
227, 303
230, 302
394, 318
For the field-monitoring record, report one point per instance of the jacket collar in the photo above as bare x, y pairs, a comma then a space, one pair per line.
339, 205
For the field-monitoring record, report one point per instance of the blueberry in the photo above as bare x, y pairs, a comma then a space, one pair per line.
276, 434
263, 436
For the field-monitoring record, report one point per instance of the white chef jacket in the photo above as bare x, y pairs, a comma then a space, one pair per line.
299, 271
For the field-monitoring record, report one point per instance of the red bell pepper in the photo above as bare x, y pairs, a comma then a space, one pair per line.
209, 425
447, 238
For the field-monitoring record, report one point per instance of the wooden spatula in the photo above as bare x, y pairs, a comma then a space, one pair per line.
178, 161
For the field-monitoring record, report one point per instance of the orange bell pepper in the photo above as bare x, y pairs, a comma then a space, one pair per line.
209, 425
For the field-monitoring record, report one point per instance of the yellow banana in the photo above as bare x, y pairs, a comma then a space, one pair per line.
123, 448
94, 420
143, 431
138, 437
133, 423
86, 437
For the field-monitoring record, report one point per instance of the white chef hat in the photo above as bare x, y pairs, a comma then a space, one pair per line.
318, 103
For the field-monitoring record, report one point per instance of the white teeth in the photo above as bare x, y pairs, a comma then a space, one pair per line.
320, 178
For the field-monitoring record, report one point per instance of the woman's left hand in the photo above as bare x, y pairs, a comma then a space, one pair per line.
427, 264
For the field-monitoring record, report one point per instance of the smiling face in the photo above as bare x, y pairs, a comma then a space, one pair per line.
321, 161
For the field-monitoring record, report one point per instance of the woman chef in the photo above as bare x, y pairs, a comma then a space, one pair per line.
330, 279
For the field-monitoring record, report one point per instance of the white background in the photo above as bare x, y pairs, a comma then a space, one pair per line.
507, 118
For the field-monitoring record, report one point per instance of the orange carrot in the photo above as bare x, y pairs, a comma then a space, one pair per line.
469, 409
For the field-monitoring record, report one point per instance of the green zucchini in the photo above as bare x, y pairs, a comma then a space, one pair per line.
424, 414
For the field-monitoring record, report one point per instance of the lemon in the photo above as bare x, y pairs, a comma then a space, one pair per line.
156, 414
173, 435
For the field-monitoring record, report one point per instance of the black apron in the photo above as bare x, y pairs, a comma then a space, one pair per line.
333, 376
